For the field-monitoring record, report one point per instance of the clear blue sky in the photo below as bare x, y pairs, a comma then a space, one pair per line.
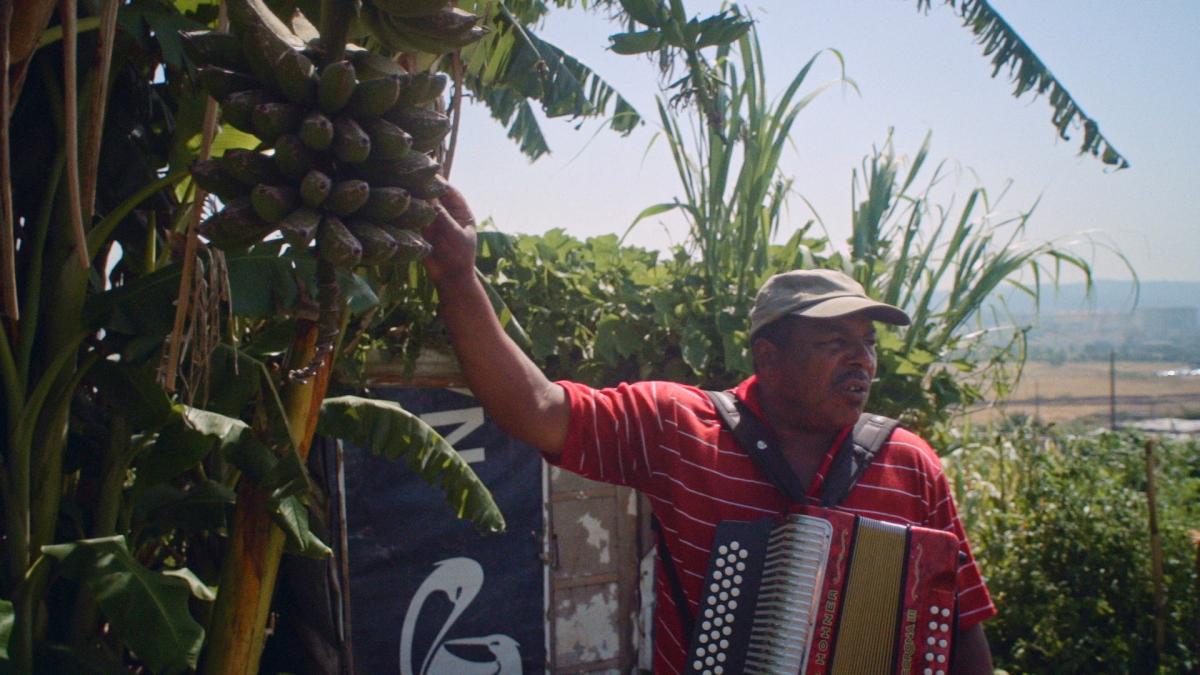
1132, 66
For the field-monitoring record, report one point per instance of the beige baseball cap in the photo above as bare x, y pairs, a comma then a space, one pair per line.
822, 294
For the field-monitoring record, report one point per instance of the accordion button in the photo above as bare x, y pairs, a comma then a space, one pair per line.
927, 671
944, 628
934, 610
724, 645
727, 631
737, 578
940, 672
714, 588
703, 637
718, 670
735, 592
712, 649
930, 641
707, 625
932, 625
945, 612
929, 656
733, 545
710, 662
699, 652
941, 658
732, 604
717, 574
722, 549
942, 643
698, 665
708, 614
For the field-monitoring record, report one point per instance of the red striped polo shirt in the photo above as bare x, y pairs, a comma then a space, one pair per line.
666, 440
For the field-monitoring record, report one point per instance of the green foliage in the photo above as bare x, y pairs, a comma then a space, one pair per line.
1061, 527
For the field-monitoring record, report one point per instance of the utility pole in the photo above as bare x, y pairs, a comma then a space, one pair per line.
1112, 389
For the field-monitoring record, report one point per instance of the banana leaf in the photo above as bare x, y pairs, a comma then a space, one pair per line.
386, 429
148, 609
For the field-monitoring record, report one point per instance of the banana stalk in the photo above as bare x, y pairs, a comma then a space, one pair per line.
251, 565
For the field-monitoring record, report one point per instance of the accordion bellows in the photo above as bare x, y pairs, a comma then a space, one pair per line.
826, 592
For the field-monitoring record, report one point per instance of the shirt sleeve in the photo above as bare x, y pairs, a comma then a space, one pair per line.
613, 433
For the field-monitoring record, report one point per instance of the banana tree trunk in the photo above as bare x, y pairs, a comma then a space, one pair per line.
239, 619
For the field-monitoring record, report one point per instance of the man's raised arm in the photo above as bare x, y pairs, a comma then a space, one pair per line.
513, 391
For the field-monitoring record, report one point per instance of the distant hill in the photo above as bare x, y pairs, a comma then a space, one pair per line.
1108, 295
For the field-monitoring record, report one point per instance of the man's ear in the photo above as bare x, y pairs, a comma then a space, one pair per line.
765, 353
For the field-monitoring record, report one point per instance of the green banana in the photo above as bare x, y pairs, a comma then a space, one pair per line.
297, 78
221, 82
336, 245
372, 98
410, 246
427, 126
292, 157
300, 226
450, 21
385, 204
422, 88
336, 86
420, 212
237, 110
209, 175
433, 188
413, 169
350, 143
272, 120
215, 48
347, 196
388, 141
377, 245
315, 188
316, 131
273, 202
407, 8
249, 168
234, 226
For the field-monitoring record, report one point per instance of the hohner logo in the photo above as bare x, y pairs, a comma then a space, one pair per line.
825, 631
910, 641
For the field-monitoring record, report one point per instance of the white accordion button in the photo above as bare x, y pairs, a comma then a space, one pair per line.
934, 610
932, 625
930, 641
723, 549
941, 643
733, 546
945, 612
944, 628
929, 656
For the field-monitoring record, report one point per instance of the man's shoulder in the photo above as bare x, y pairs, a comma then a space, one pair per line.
905, 445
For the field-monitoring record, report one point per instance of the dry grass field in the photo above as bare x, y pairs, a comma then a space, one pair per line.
1061, 393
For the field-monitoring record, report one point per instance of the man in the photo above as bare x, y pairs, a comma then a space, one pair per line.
813, 342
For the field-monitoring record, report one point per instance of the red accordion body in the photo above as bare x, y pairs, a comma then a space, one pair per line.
827, 592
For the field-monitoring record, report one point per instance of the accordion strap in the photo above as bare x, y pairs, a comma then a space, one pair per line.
852, 459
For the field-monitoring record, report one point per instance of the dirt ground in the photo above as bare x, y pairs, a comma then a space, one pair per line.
1061, 393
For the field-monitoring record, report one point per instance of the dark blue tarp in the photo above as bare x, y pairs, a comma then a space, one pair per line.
425, 583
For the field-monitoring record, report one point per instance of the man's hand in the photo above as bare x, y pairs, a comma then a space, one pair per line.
452, 235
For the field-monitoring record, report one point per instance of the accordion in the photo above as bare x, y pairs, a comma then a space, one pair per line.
827, 592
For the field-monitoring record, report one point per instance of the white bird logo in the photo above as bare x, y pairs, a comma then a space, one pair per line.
460, 580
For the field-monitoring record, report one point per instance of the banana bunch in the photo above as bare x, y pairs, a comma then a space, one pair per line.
431, 26
342, 168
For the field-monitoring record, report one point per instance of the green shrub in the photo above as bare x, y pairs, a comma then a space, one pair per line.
1061, 528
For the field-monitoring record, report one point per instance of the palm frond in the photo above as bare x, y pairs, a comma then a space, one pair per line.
512, 66
1028, 73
